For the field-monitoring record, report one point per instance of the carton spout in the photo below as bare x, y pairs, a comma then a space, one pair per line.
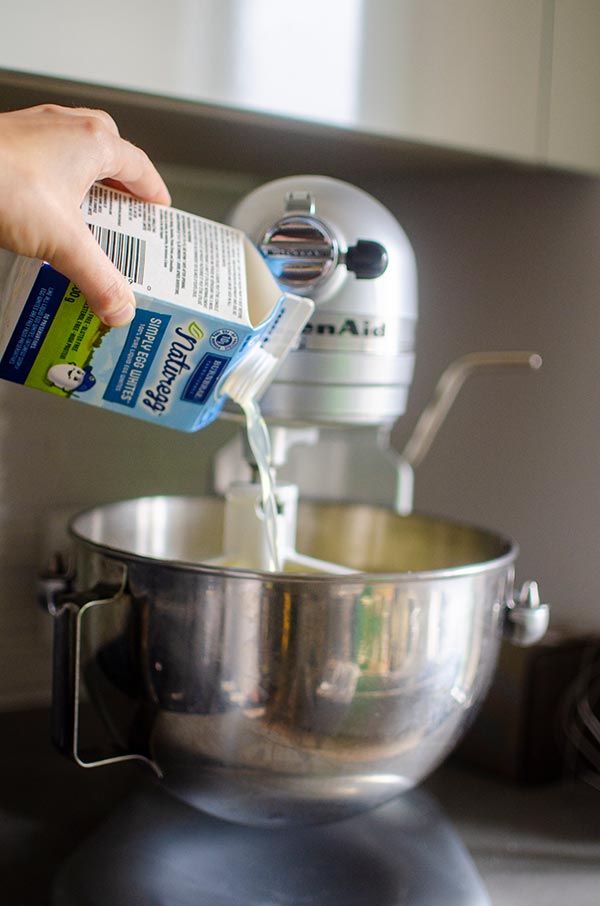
251, 377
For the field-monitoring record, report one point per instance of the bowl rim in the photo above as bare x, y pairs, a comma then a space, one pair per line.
499, 563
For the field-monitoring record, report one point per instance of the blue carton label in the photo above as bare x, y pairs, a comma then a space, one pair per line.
204, 379
165, 367
137, 355
33, 325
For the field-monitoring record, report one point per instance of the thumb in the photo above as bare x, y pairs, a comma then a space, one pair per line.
108, 294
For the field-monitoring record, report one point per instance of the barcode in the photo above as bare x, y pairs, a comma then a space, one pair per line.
127, 253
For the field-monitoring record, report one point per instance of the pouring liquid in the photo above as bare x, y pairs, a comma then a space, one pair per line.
245, 383
278, 560
260, 444
257, 534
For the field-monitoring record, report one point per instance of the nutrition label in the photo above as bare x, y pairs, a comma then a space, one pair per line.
169, 254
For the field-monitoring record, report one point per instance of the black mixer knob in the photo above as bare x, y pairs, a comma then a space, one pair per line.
367, 259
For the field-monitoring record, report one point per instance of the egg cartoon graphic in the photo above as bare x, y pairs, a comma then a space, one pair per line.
69, 376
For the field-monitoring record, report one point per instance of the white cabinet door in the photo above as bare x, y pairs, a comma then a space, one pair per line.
299, 59
462, 74
574, 99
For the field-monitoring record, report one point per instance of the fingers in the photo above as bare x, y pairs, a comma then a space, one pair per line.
108, 294
123, 162
102, 115
113, 157
131, 167
55, 112
49, 158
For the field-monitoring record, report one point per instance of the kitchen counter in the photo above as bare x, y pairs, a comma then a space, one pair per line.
530, 844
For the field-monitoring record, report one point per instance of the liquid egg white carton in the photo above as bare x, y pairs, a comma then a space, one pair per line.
206, 301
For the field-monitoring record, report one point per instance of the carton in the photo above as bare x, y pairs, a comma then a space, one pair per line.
207, 305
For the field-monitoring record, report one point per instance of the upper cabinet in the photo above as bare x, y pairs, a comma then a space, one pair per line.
463, 73
573, 112
517, 79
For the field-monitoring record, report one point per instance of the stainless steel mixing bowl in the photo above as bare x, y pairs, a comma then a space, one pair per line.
268, 698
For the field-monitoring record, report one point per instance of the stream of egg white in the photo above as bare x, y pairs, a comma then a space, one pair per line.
260, 444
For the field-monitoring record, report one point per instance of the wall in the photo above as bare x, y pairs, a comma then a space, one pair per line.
509, 261
506, 260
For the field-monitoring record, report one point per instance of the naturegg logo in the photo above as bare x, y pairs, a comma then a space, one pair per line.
175, 364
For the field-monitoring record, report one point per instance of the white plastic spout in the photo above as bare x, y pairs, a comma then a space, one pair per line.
251, 377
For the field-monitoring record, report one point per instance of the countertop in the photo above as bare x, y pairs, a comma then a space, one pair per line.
530, 845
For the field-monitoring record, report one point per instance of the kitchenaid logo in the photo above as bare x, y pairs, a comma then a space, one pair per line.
355, 333
288, 251
345, 327
176, 362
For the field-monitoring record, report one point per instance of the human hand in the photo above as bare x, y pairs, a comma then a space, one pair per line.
49, 157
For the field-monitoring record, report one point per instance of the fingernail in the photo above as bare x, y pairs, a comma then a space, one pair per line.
121, 317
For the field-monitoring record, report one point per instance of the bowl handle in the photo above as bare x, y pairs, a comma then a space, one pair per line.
526, 619
69, 610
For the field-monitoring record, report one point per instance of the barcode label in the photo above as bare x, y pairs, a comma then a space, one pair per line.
127, 253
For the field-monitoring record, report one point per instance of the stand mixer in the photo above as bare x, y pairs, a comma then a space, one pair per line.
294, 711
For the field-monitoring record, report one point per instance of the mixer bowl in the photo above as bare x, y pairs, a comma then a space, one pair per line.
270, 698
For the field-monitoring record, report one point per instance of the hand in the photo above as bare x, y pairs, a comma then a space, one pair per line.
49, 157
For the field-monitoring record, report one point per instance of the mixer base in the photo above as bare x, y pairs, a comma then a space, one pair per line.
156, 850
